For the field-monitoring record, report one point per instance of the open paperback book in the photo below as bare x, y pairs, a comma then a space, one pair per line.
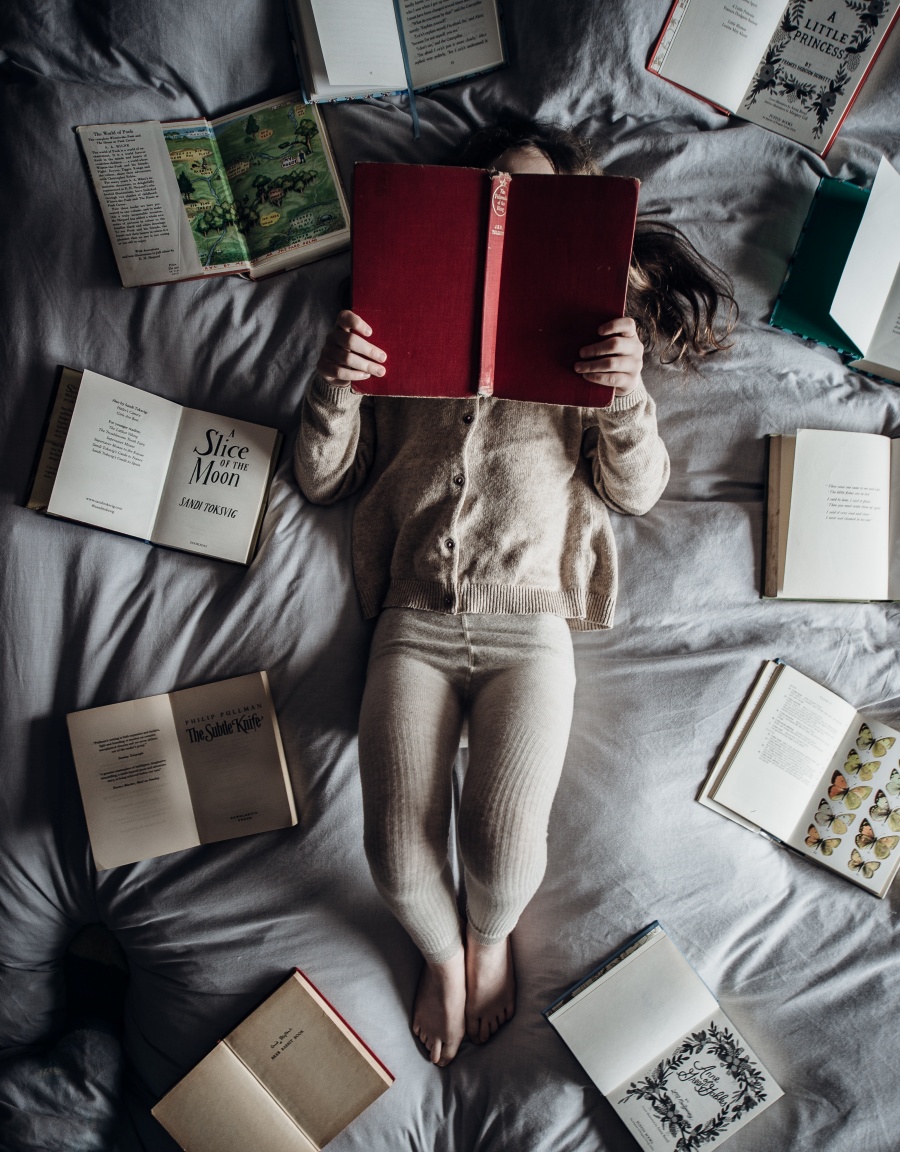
184, 768
843, 284
488, 284
654, 1040
256, 192
793, 68
805, 768
288, 1079
349, 49
832, 499
120, 458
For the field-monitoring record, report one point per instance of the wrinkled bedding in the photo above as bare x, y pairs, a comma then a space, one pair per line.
807, 966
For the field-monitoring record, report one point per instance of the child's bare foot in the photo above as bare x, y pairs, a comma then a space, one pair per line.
439, 1012
490, 988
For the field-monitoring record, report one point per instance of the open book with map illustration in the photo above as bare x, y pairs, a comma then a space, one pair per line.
181, 769
833, 497
793, 68
256, 192
120, 458
288, 1079
805, 768
843, 285
654, 1040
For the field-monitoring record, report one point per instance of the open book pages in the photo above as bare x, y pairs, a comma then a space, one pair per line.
867, 301
120, 458
256, 192
185, 768
357, 48
833, 497
288, 1079
804, 766
793, 68
652, 1037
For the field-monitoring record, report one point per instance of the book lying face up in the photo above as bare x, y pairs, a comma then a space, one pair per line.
842, 288
488, 284
120, 458
802, 766
288, 1079
181, 769
654, 1040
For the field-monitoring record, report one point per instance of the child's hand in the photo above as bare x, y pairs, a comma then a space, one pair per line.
617, 359
347, 355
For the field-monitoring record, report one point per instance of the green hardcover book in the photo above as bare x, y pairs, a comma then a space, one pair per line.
804, 302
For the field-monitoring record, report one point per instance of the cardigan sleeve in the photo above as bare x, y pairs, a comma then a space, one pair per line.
335, 443
629, 462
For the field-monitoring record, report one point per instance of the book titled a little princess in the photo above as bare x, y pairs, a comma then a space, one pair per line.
654, 1040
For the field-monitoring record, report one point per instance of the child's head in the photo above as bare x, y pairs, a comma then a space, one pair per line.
674, 293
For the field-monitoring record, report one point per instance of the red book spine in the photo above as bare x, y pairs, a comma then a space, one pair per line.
493, 266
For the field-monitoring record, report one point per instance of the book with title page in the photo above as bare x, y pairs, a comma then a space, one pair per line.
653, 1039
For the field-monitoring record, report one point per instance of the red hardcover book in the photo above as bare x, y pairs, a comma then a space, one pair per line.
480, 283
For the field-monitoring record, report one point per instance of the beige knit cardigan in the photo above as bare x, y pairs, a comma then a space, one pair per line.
482, 505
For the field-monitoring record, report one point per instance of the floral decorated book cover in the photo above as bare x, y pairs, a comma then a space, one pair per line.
652, 1037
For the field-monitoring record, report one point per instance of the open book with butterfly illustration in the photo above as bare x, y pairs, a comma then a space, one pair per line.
804, 768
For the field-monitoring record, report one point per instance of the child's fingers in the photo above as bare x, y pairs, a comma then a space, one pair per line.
622, 326
613, 346
341, 340
622, 382
352, 323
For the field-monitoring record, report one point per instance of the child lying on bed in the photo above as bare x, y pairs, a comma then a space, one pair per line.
532, 563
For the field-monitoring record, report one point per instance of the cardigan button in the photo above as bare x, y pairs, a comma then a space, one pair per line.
448, 600
451, 545
459, 481
468, 418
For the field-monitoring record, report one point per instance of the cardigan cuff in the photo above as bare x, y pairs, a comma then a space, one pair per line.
630, 400
337, 395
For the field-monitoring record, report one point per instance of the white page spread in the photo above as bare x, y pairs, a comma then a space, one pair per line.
718, 45
642, 1006
216, 486
871, 271
839, 521
113, 466
784, 754
140, 201
132, 781
360, 43
451, 39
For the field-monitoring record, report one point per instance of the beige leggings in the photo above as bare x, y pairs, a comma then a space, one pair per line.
514, 677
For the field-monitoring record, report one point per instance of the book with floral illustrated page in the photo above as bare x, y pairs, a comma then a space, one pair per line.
793, 68
653, 1039
288, 1079
804, 768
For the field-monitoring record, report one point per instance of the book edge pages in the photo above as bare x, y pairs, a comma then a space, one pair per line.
45, 471
285, 772
264, 506
737, 733
772, 516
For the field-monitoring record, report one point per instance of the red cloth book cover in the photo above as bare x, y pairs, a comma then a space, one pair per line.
421, 238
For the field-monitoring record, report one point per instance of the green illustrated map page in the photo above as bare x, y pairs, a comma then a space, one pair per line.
216, 220
282, 189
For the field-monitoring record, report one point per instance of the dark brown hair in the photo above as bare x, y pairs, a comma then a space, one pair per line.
674, 294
